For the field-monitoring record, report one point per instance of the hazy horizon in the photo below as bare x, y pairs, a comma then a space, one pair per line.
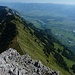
41, 1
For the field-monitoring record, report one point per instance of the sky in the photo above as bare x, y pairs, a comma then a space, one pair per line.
42, 1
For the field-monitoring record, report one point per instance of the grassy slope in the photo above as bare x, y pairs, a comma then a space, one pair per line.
26, 44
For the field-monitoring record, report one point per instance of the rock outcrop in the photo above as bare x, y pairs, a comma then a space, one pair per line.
12, 63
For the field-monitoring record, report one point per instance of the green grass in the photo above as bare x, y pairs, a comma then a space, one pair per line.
56, 46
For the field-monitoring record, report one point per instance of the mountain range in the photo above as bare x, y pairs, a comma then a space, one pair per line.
40, 44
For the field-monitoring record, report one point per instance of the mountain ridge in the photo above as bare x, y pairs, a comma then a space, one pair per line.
21, 35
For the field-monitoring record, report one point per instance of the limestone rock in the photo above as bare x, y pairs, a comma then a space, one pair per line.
12, 63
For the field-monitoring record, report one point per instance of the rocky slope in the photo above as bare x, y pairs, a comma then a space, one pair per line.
12, 63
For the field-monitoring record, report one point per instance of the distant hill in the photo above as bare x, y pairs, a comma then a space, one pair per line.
17, 33
46, 9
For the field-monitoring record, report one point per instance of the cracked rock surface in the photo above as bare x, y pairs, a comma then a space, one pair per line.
12, 63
